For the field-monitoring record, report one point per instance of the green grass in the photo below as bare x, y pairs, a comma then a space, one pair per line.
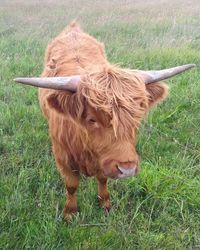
160, 209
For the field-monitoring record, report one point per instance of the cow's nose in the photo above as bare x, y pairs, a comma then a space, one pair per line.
127, 169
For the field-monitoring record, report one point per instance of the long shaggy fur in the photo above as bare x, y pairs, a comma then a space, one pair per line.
98, 123
120, 94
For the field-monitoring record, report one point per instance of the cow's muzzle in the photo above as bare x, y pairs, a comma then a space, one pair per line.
121, 169
127, 171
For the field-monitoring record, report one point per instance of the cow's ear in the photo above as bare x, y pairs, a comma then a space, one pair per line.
64, 103
157, 92
56, 102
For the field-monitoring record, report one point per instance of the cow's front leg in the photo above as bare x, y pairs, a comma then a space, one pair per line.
103, 194
71, 182
71, 178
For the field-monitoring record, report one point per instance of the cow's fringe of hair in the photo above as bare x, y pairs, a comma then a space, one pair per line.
120, 93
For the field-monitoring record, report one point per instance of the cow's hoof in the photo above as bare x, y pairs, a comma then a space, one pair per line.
69, 213
68, 217
105, 204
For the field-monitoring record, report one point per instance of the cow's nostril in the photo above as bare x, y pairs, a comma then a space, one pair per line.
118, 168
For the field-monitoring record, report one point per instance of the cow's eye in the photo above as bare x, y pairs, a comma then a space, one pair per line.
91, 120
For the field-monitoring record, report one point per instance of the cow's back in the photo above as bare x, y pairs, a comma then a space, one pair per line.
70, 52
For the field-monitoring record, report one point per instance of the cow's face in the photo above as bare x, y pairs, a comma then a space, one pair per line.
115, 147
115, 150
109, 106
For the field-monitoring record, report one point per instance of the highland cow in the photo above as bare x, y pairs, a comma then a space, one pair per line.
94, 110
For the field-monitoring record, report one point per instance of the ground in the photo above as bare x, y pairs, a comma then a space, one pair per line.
160, 209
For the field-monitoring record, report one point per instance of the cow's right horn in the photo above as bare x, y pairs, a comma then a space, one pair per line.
69, 83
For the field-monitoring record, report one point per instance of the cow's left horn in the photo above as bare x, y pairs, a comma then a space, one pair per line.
69, 83
156, 76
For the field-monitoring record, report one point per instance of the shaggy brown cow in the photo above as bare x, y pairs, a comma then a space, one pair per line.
94, 115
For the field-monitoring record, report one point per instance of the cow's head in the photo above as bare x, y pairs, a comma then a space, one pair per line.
108, 104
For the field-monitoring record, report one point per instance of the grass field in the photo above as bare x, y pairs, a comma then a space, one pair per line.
160, 209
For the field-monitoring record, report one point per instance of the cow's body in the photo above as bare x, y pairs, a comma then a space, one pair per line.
74, 52
68, 54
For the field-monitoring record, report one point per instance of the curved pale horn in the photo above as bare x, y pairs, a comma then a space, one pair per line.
69, 83
156, 76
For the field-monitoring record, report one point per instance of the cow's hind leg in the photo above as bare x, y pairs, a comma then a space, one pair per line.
103, 194
71, 178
